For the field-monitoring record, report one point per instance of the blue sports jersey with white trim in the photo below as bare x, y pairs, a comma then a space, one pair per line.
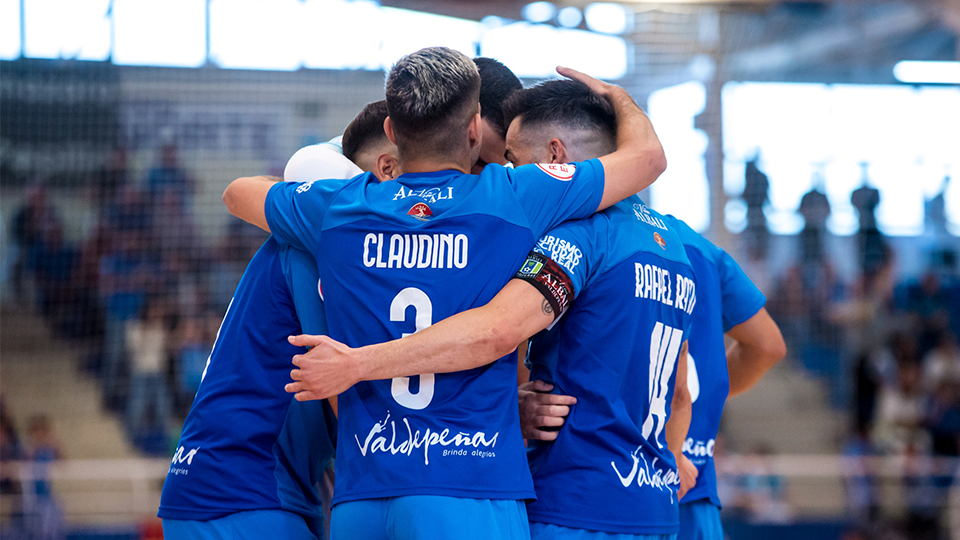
615, 350
246, 443
725, 298
410, 252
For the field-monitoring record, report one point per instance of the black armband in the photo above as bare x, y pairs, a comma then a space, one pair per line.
550, 279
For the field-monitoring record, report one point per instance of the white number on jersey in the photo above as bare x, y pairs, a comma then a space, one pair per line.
423, 317
664, 348
215, 342
693, 379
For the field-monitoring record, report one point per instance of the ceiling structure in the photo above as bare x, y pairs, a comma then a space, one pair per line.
786, 40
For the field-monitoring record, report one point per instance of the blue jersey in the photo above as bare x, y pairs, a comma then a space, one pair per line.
410, 252
247, 444
615, 350
725, 298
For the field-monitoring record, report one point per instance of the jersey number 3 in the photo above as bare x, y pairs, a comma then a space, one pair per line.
423, 317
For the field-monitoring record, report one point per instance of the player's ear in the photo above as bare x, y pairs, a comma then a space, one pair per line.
558, 152
474, 131
388, 129
387, 168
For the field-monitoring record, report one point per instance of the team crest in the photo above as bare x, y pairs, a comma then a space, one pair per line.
420, 211
531, 267
560, 171
659, 240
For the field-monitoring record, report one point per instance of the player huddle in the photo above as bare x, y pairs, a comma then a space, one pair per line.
464, 258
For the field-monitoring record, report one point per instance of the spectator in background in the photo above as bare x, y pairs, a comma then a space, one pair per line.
860, 486
170, 177
764, 491
870, 243
11, 451
756, 194
126, 275
230, 258
54, 267
815, 209
193, 349
941, 364
928, 305
28, 224
108, 181
147, 347
43, 517
901, 407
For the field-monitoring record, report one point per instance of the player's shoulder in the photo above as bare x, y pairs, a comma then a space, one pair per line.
655, 233
563, 172
693, 239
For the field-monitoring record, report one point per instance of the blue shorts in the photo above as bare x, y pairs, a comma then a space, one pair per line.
547, 531
700, 520
427, 517
250, 525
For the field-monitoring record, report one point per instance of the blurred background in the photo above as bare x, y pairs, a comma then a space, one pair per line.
814, 140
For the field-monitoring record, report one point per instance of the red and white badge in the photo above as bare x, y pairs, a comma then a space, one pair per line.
560, 171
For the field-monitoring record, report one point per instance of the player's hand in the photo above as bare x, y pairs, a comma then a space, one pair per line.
597, 86
542, 413
688, 475
326, 370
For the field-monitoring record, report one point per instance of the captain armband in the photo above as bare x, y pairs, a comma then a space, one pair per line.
550, 279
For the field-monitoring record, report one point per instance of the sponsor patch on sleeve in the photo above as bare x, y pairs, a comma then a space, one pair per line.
560, 171
550, 279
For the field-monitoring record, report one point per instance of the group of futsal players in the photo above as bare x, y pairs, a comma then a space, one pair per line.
441, 244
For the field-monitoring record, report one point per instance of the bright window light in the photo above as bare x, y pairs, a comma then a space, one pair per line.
168, 33
832, 135
87, 36
43, 27
341, 35
534, 50
539, 12
73, 29
608, 18
406, 31
256, 34
912, 71
9, 29
569, 17
683, 189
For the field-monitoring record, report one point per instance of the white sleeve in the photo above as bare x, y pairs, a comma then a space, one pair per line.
319, 161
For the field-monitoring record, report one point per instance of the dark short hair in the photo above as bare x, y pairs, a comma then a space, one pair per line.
497, 82
564, 103
431, 94
366, 130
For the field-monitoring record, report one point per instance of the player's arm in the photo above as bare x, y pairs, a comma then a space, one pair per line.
758, 346
639, 158
467, 340
246, 197
681, 412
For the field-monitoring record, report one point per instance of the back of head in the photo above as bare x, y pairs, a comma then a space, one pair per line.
569, 110
365, 132
432, 96
497, 83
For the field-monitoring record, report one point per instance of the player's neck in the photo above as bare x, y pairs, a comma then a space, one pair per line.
432, 165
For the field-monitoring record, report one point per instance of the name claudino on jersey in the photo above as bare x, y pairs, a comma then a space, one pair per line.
415, 250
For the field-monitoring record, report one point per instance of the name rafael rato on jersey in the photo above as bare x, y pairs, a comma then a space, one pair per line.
653, 283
